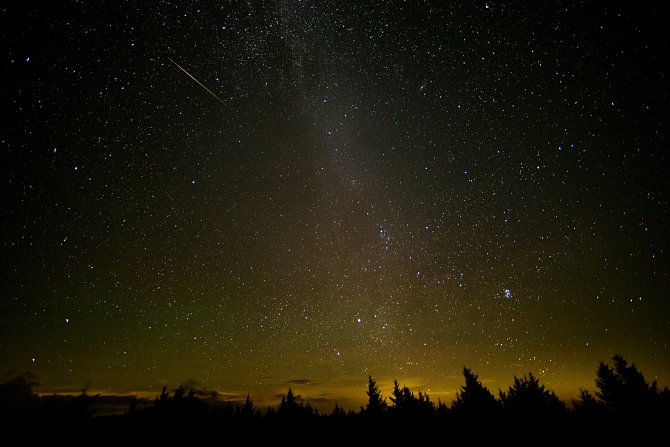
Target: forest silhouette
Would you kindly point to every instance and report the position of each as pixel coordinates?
(625, 410)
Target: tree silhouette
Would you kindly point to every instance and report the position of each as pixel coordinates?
(474, 399)
(528, 398)
(376, 403)
(338, 412)
(407, 404)
(424, 405)
(587, 403)
(80, 408)
(162, 400)
(623, 388)
(17, 400)
(442, 410)
(625, 409)
(288, 403)
(248, 408)
(289, 406)
(401, 398)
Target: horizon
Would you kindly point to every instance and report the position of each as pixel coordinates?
(526, 411)
(313, 393)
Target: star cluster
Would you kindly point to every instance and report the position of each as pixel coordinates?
(388, 188)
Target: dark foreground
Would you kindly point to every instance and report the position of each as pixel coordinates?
(329, 431)
(625, 411)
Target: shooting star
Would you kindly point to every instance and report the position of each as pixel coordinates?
(199, 83)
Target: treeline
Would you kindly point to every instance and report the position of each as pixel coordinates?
(625, 408)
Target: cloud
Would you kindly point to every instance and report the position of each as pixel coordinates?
(319, 399)
(299, 382)
(231, 396)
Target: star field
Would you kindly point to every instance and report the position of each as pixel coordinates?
(387, 188)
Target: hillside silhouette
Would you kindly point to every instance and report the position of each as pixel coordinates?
(625, 410)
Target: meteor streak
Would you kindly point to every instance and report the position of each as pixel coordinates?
(199, 83)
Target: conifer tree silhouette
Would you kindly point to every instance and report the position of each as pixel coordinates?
(624, 390)
(530, 399)
(589, 410)
(288, 403)
(248, 408)
(424, 405)
(474, 399)
(17, 400)
(376, 403)
(289, 406)
(401, 398)
(338, 412)
(618, 386)
(80, 408)
(162, 401)
(407, 404)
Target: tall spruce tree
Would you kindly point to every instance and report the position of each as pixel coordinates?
(528, 398)
(376, 403)
(624, 388)
(474, 399)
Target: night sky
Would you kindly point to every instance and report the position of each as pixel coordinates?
(255, 195)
